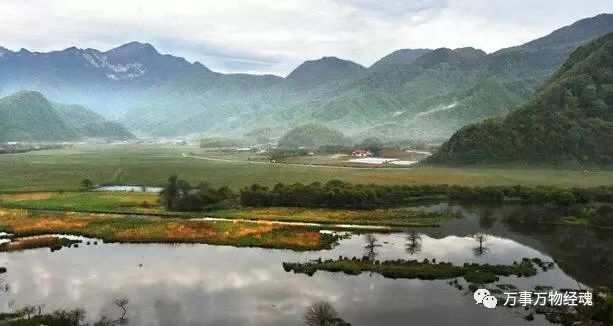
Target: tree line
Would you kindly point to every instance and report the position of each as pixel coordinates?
(179, 195)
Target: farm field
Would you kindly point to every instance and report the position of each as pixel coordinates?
(63, 169)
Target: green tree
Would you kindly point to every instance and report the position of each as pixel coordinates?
(373, 144)
(86, 183)
(170, 192)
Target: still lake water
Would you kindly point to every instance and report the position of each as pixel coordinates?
(222, 285)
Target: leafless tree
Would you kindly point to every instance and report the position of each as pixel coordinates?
(122, 303)
(28, 310)
(413, 244)
(370, 249)
(321, 313)
(480, 250)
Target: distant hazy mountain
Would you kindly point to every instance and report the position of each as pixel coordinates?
(104, 81)
(409, 94)
(319, 72)
(451, 92)
(569, 120)
(88, 124)
(29, 116)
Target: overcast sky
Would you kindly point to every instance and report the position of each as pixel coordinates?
(273, 36)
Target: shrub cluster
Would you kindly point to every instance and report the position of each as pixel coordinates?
(181, 196)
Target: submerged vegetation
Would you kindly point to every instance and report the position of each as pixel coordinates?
(425, 270)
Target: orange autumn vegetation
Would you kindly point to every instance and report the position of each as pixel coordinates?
(300, 239)
(135, 229)
(30, 243)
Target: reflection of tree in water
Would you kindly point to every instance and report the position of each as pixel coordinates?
(486, 218)
(413, 244)
(586, 254)
(122, 303)
(370, 250)
(322, 313)
(4, 287)
(480, 250)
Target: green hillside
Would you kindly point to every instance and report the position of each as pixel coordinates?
(88, 124)
(313, 73)
(29, 116)
(418, 94)
(568, 121)
(312, 136)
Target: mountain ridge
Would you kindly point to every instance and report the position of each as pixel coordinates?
(162, 95)
(568, 121)
(29, 116)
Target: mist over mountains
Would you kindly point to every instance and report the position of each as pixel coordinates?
(29, 116)
(418, 94)
(568, 121)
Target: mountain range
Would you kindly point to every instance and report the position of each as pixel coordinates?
(568, 121)
(29, 116)
(417, 94)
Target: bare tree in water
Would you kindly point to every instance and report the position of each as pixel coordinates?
(322, 313)
(413, 244)
(370, 250)
(122, 303)
(480, 250)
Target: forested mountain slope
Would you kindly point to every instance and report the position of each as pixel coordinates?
(569, 120)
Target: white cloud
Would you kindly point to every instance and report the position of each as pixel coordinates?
(273, 36)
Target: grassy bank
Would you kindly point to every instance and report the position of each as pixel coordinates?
(63, 169)
(392, 217)
(129, 202)
(425, 270)
(147, 203)
(113, 228)
(54, 243)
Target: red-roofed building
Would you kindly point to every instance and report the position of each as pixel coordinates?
(361, 153)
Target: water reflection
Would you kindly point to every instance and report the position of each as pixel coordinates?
(370, 250)
(486, 218)
(215, 285)
(480, 250)
(322, 313)
(122, 303)
(413, 242)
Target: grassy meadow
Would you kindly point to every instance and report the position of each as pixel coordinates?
(393, 217)
(147, 204)
(63, 169)
(128, 202)
(115, 228)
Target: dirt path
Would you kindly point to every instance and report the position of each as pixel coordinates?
(306, 224)
(294, 164)
(323, 226)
